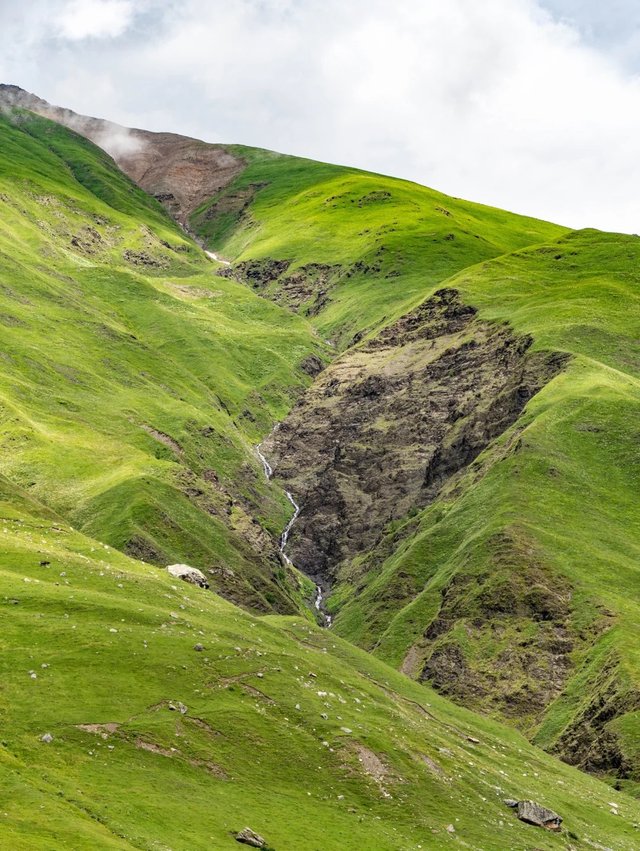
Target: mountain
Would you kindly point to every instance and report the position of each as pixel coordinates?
(455, 390)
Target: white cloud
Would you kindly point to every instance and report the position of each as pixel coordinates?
(81, 19)
(495, 101)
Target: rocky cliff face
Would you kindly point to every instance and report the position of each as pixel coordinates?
(387, 424)
(180, 172)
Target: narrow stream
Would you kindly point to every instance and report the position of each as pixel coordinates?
(268, 472)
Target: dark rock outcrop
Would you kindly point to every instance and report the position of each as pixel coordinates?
(385, 426)
(305, 290)
(590, 742)
(524, 614)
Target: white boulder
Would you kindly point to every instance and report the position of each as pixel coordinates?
(188, 574)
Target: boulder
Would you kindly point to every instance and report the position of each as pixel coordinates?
(188, 574)
(249, 837)
(532, 813)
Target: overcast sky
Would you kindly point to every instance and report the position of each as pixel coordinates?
(531, 105)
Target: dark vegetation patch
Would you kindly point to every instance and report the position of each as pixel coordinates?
(305, 290)
(504, 640)
(590, 741)
(143, 258)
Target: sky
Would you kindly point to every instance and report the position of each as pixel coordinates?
(529, 105)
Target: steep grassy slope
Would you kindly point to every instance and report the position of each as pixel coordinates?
(274, 724)
(362, 248)
(134, 381)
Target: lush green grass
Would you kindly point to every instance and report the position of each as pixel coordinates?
(407, 236)
(134, 383)
(565, 497)
(103, 350)
(112, 642)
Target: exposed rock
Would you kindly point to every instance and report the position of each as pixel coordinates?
(103, 730)
(198, 647)
(188, 574)
(250, 837)
(590, 741)
(260, 273)
(312, 365)
(141, 548)
(523, 610)
(180, 172)
(143, 258)
(387, 424)
(166, 439)
(533, 813)
(47, 738)
(305, 289)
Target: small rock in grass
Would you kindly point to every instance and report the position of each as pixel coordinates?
(473, 740)
(47, 738)
(450, 828)
(511, 802)
(532, 813)
(250, 837)
(198, 647)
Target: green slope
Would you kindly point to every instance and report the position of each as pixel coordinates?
(134, 381)
(556, 495)
(275, 724)
(387, 242)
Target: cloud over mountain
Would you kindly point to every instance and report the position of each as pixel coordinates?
(499, 101)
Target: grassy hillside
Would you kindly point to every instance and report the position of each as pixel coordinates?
(382, 243)
(136, 378)
(551, 505)
(134, 381)
(274, 724)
